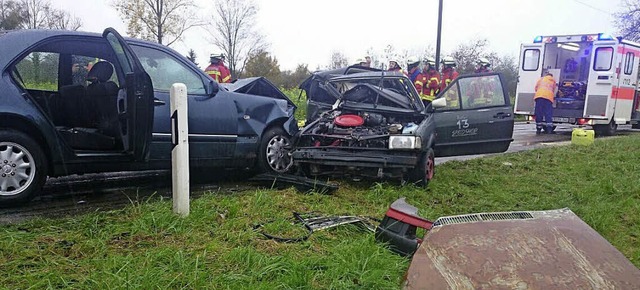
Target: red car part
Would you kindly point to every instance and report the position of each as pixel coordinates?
(398, 228)
(349, 121)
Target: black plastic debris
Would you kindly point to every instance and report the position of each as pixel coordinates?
(314, 222)
(301, 183)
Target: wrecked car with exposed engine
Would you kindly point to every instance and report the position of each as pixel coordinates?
(370, 123)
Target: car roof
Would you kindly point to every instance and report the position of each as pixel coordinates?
(369, 75)
(14, 42)
(328, 74)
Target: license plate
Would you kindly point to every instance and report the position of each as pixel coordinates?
(559, 119)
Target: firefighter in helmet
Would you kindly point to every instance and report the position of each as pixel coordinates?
(482, 90)
(360, 62)
(413, 68)
(428, 81)
(483, 65)
(217, 70)
(394, 65)
(449, 72)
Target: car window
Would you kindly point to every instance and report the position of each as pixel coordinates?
(165, 70)
(39, 71)
(531, 60)
(603, 59)
(452, 95)
(480, 91)
(391, 92)
(121, 54)
(80, 67)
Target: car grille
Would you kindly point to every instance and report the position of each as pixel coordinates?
(476, 217)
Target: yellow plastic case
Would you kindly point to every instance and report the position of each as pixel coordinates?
(582, 137)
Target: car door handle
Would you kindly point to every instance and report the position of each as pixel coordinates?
(158, 102)
(502, 115)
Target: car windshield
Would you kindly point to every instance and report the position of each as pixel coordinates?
(397, 92)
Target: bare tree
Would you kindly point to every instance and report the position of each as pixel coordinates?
(234, 32)
(163, 21)
(38, 14)
(11, 14)
(467, 54)
(59, 19)
(628, 20)
(338, 60)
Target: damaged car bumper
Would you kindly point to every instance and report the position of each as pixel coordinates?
(356, 158)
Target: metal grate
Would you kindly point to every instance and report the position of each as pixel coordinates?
(476, 217)
(505, 216)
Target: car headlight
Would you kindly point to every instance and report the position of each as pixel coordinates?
(405, 142)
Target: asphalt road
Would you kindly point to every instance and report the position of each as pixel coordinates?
(79, 194)
(525, 138)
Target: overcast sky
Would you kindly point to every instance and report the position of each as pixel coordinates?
(301, 31)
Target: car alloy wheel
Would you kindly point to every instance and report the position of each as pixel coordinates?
(278, 153)
(430, 167)
(17, 169)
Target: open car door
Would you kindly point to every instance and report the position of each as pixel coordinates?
(135, 102)
(477, 118)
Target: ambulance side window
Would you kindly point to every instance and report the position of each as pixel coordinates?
(604, 56)
(628, 63)
(531, 60)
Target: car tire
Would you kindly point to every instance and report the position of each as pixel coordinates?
(23, 168)
(635, 126)
(606, 130)
(424, 172)
(274, 155)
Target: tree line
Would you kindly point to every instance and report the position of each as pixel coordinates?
(232, 29)
(35, 14)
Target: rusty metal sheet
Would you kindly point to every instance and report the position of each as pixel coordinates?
(527, 250)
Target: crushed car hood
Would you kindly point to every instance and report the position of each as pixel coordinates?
(322, 76)
(552, 249)
(319, 89)
(257, 86)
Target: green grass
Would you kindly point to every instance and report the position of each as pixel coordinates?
(43, 86)
(300, 99)
(145, 246)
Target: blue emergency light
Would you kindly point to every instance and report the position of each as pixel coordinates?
(538, 39)
(604, 36)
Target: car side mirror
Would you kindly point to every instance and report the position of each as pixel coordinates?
(213, 88)
(437, 103)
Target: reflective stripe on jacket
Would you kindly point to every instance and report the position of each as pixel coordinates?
(545, 88)
(448, 76)
(219, 73)
(428, 84)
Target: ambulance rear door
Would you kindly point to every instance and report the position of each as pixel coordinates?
(602, 77)
(530, 70)
(627, 82)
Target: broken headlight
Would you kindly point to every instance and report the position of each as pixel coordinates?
(405, 142)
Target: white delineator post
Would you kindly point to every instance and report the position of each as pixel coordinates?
(180, 149)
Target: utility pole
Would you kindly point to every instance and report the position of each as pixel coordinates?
(439, 34)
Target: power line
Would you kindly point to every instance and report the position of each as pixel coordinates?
(593, 7)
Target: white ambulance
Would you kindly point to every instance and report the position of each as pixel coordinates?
(597, 79)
